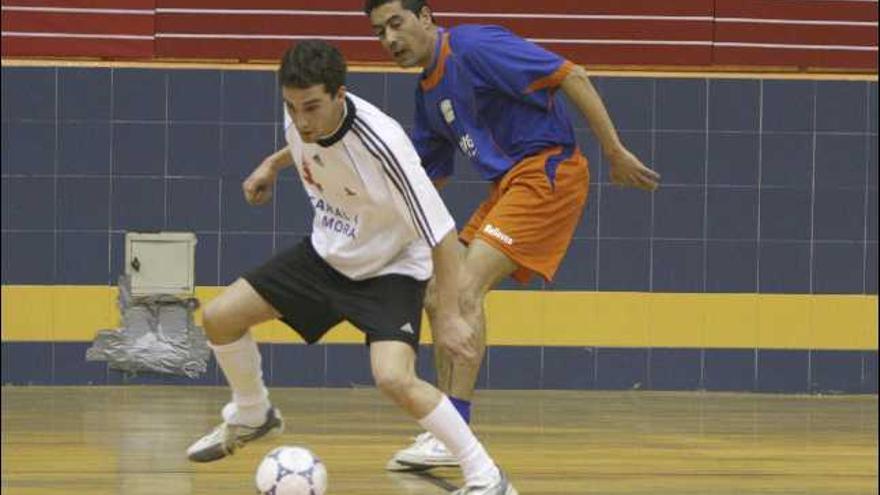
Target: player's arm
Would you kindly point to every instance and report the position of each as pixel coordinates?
(435, 153)
(523, 70)
(432, 222)
(626, 168)
(258, 186)
(440, 182)
(279, 160)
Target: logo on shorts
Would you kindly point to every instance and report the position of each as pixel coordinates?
(407, 327)
(498, 234)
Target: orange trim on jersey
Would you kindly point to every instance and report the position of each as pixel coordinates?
(436, 75)
(553, 80)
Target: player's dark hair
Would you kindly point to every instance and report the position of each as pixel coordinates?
(414, 6)
(312, 62)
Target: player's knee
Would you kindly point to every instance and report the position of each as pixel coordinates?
(393, 382)
(213, 322)
(471, 296)
(210, 318)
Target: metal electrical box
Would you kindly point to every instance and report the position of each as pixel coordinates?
(160, 263)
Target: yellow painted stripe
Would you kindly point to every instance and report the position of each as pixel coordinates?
(659, 72)
(533, 318)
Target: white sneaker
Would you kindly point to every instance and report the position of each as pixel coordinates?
(226, 438)
(426, 452)
(499, 486)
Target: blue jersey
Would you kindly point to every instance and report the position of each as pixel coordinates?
(490, 94)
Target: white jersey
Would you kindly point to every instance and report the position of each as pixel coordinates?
(376, 210)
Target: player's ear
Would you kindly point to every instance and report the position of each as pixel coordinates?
(340, 93)
(426, 17)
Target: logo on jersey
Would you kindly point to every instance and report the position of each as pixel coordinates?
(335, 219)
(446, 110)
(465, 143)
(407, 327)
(307, 176)
(495, 232)
(318, 160)
(467, 146)
(350, 192)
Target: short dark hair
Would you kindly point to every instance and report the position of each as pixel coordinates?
(312, 62)
(414, 6)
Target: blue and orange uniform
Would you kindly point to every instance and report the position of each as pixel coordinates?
(491, 94)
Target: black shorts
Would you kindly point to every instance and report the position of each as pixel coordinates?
(312, 297)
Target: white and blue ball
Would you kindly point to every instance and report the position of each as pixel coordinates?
(290, 470)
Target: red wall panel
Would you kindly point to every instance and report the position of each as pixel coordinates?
(828, 10)
(838, 34)
(81, 23)
(79, 28)
(93, 4)
(829, 34)
(587, 32)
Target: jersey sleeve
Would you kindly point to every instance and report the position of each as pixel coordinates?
(418, 199)
(515, 66)
(436, 153)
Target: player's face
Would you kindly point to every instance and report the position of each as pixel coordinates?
(407, 37)
(315, 112)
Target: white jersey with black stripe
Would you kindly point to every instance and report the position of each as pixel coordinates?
(376, 210)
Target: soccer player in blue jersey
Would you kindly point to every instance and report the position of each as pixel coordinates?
(492, 95)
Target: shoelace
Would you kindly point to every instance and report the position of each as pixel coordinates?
(227, 436)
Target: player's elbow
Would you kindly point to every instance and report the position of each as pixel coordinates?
(576, 78)
(440, 182)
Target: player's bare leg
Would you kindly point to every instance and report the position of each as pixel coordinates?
(393, 366)
(249, 415)
(484, 267)
(442, 365)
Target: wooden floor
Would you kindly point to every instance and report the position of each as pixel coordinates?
(131, 440)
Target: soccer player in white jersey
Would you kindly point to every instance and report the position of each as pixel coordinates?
(380, 231)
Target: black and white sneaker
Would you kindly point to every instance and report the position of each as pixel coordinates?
(226, 438)
(498, 486)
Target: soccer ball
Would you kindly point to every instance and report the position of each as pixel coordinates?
(290, 470)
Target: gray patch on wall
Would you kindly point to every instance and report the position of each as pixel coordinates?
(158, 335)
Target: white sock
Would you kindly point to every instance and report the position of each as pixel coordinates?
(241, 363)
(446, 424)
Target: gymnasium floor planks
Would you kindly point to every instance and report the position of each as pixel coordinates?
(131, 440)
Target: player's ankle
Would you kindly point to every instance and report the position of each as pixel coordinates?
(252, 415)
(485, 477)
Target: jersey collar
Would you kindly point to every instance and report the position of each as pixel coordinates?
(433, 74)
(347, 121)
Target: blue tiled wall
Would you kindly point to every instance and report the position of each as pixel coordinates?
(768, 185)
(505, 367)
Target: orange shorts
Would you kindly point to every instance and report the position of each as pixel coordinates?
(529, 219)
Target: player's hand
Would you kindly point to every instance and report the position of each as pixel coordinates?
(453, 334)
(628, 170)
(258, 186)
